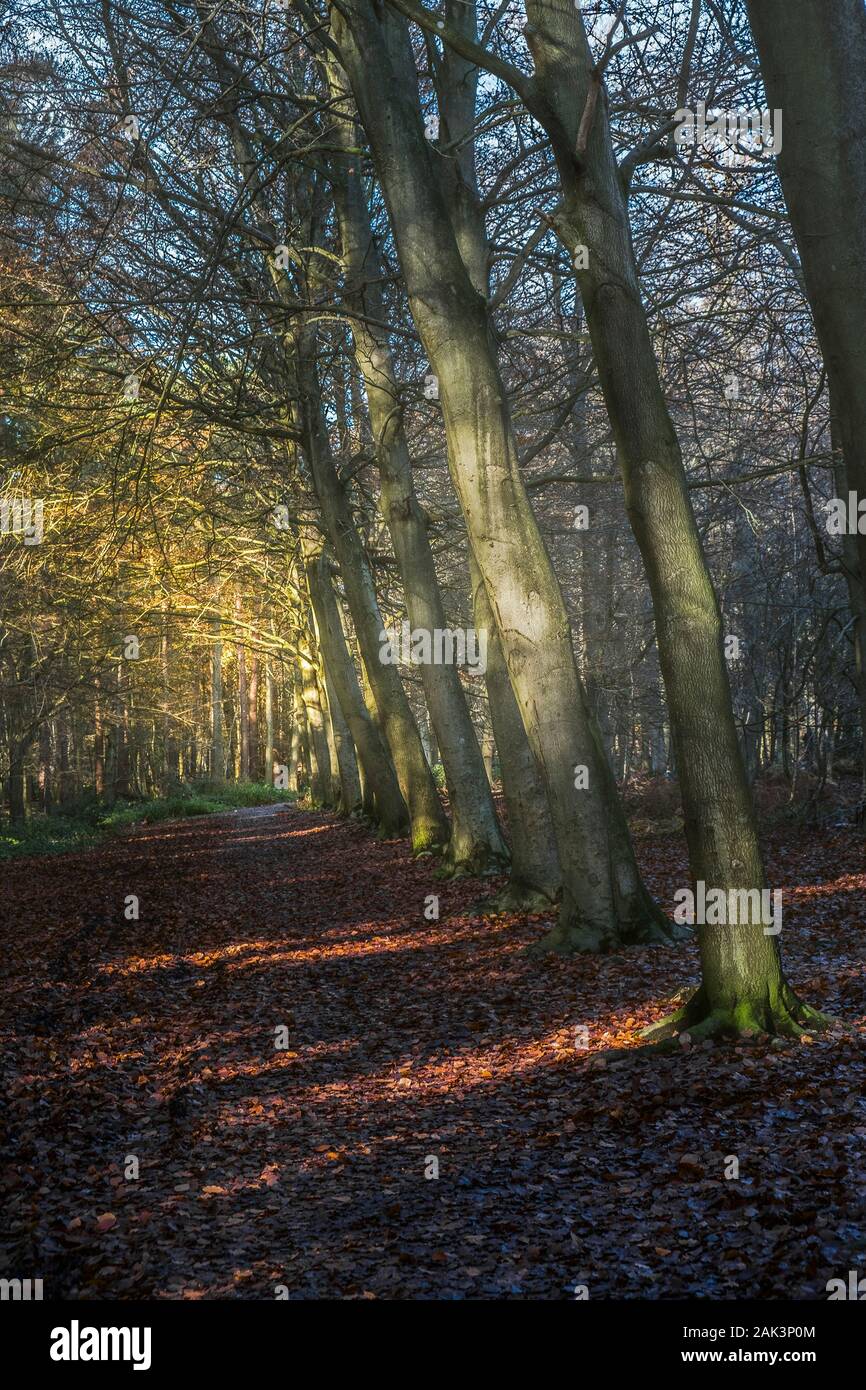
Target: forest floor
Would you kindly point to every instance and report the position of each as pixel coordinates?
(407, 1041)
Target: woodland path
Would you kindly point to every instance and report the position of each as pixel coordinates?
(408, 1040)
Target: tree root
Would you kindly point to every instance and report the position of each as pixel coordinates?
(652, 928)
(425, 843)
(481, 862)
(782, 1016)
(514, 897)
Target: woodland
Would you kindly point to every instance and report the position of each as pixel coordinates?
(433, 648)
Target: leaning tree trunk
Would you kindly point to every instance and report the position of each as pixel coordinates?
(429, 824)
(380, 778)
(350, 780)
(428, 820)
(743, 984)
(338, 791)
(813, 62)
(317, 740)
(535, 878)
(344, 766)
(476, 844)
(299, 775)
(600, 907)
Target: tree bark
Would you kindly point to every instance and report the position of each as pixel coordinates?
(46, 766)
(428, 821)
(253, 718)
(741, 965)
(373, 753)
(243, 708)
(169, 743)
(337, 797)
(269, 724)
(299, 770)
(813, 62)
(601, 906)
(344, 749)
(98, 743)
(65, 773)
(476, 845)
(216, 706)
(317, 742)
(17, 800)
(535, 879)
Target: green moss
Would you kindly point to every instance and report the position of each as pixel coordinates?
(426, 838)
(780, 1014)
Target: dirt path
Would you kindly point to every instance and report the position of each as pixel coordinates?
(409, 1044)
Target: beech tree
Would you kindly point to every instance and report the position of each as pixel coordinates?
(813, 61)
(743, 985)
(603, 899)
(333, 318)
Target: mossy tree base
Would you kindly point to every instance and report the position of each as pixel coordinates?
(651, 928)
(477, 862)
(426, 839)
(514, 897)
(779, 1013)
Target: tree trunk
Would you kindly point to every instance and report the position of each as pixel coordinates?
(269, 724)
(46, 767)
(488, 753)
(299, 771)
(253, 718)
(337, 796)
(344, 750)
(601, 907)
(813, 67)
(813, 62)
(476, 845)
(98, 744)
(243, 713)
(17, 801)
(429, 823)
(65, 773)
(216, 707)
(317, 742)
(373, 754)
(169, 743)
(742, 974)
(535, 879)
